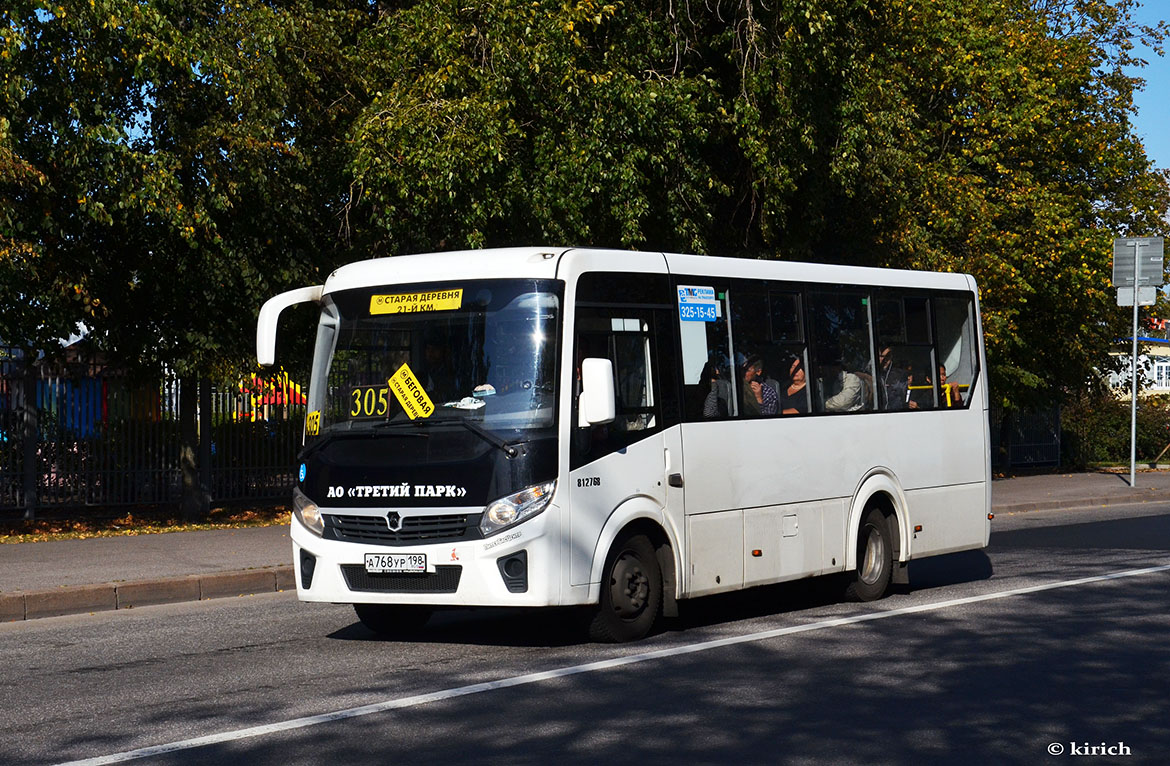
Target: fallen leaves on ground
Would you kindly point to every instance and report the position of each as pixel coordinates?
(79, 524)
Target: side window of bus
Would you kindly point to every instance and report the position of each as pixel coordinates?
(768, 339)
(789, 351)
(958, 362)
(633, 372)
(843, 368)
(709, 386)
(906, 368)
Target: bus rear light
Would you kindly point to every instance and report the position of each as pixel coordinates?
(756, 553)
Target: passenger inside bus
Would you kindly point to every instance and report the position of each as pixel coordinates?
(893, 382)
(843, 391)
(759, 398)
(439, 375)
(921, 391)
(716, 391)
(949, 393)
(794, 390)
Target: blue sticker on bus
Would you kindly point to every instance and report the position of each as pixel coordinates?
(697, 304)
(303, 472)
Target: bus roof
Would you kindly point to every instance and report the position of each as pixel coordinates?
(542, 263)
(530, 262)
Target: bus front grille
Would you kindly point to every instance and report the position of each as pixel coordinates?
(414, 530)
(444, 580)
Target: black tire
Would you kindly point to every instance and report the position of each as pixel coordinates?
(631, 592)
(392, 620)
(874, 559)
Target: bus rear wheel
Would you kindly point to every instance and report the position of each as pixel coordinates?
(389, 620)
(631, 592)
(874, 559)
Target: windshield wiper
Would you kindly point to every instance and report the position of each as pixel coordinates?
(416, 427)
(350, 433)
(489, 437)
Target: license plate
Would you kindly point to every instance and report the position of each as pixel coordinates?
(384, 563)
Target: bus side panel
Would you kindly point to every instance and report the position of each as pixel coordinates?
(952, 519)
(716, 552)
(772, 544)
(787, 541)
(808, 467)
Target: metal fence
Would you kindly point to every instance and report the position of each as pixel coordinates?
(80, 433)
(1025, 439)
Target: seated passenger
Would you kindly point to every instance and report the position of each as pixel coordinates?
(794, 391)
(717, 392)
(921, 390)
(844, 391)
(893, 390)
(758, 398)
(949, 393)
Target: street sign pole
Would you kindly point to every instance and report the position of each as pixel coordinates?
(1147, 270)
(1133, 382)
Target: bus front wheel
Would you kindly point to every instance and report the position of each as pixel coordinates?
(392, 620)
(631, 592)
(874, 559)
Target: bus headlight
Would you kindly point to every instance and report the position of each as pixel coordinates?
(307, 513)
(516, 508)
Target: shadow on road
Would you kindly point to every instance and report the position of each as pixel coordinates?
(565, 627)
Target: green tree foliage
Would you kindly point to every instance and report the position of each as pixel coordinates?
(991, 138)
(164, 166)
(1024, 168)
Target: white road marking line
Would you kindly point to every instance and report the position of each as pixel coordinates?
(591, 667)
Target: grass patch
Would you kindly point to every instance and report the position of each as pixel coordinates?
(80, 524)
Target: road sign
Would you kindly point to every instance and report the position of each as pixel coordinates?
(1137, 255)
(1147, 296)
(1137, 268)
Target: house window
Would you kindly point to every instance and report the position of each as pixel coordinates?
(1162, 374)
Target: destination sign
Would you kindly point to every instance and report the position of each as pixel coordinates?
(410, 303)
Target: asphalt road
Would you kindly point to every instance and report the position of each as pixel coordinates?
(1053, 639)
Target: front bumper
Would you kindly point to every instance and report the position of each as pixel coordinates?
(479, 572)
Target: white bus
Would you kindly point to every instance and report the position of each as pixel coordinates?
(623, 430)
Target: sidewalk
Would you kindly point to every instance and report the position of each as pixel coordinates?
(78, 576)
(1076, 490)
(101, 573)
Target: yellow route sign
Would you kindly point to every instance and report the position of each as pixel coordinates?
(409, 303)
(409, 393)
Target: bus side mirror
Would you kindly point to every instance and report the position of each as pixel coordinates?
(270, 316)
(596, 405)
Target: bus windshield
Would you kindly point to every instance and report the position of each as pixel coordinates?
(480, 352)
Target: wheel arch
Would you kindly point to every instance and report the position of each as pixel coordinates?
(640, 516)
(880, 488)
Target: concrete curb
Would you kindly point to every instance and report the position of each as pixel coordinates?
(1139, 496)
(79, 599)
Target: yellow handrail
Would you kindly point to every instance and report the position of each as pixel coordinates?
(947, 388)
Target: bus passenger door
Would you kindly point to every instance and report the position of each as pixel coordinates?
(621, 464)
